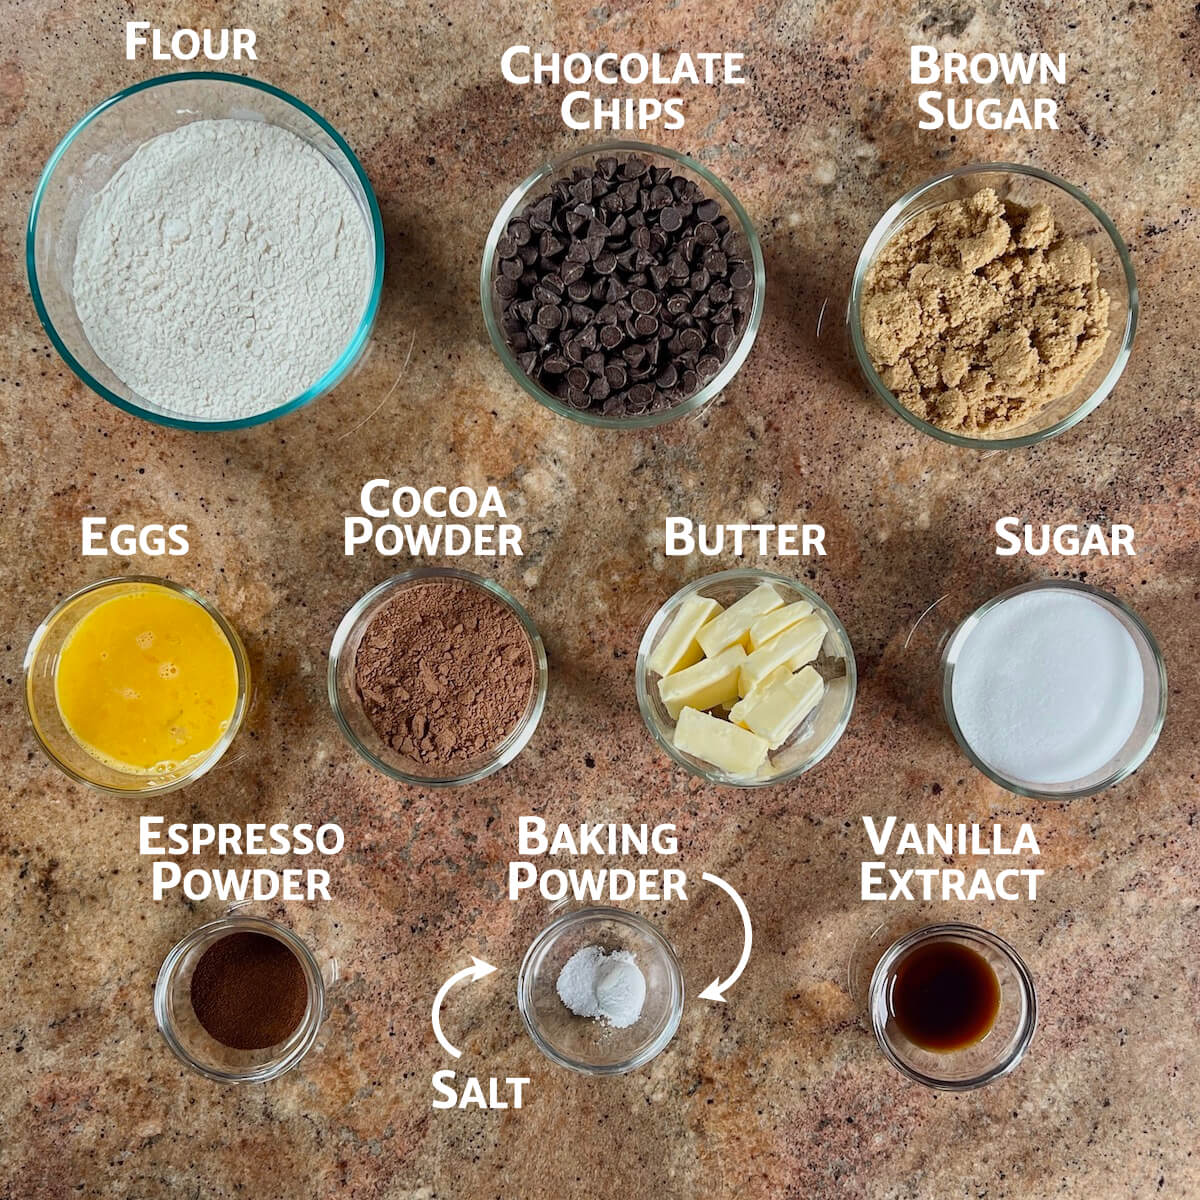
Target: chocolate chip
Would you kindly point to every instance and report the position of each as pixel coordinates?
(643, 301)
(621, 286)
(741, 278)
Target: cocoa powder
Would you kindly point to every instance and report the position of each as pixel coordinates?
(444, 672)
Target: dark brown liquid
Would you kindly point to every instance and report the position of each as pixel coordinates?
(945, 996)
(249, 991)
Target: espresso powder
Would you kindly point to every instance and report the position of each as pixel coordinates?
(249, 991)
(444, 672)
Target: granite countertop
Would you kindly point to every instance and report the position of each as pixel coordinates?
(781, 1091)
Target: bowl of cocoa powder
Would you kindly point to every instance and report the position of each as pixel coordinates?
(437, 677)
(993, 307)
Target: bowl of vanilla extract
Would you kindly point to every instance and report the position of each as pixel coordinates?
(953, 1006)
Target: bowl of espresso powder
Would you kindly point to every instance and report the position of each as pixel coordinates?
(240, 1000)
(622, 285)
(437, 677)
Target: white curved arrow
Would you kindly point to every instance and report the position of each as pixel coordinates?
(477, 970)
(717, 989)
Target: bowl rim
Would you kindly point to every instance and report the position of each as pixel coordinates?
(957, 640)
(517, 740)
(729, 368)
(349, 354)
(754, 575)
(879, 1009)
(241, 660)
(882, 232)
(604, 912)
(235, 921)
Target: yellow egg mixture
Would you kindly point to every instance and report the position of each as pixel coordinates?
(147, 681)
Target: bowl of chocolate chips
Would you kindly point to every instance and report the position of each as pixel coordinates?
(622, 285)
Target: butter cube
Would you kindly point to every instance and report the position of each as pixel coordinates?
(797, 647)
(733, 625)
(783, 671)
(775, 710)
(708, 683)
(678, 648)
(775, 622)
(720, 743)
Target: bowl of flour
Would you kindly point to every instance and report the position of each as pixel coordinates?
(205, 251)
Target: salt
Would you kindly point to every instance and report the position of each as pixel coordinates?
(1047, 687)
(606, 986)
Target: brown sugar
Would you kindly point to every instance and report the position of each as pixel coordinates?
(444, 671)
(979, 313)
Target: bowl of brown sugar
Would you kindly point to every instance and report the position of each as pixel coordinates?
(437, 677)
(993, 307)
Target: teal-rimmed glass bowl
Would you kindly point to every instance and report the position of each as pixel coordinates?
(92, 152)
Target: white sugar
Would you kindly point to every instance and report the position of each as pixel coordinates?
(1047, 687)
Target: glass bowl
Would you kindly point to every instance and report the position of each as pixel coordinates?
(994, 1055)
(93, 151)
(658, 156)
(41, 666)
(1149, 723)
(815, 737)
(353, 720)
(193, 1044)
(585, 1044)
(1080, 218)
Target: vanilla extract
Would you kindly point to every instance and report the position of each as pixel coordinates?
(951, 839)
(944, 996)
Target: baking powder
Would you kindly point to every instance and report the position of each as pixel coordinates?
(607, 986)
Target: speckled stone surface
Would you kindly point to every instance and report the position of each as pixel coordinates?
(780, 1092)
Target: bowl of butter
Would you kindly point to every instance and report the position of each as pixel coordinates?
(746, 678)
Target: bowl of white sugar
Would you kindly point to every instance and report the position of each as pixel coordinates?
(1054, 689)
(205, 251)
(600, 991)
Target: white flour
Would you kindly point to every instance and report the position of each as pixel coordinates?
(609, 987)
(222, 270)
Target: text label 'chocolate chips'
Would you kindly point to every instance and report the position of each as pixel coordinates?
(623, 289)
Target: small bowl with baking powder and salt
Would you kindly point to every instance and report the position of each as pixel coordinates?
(206, 252)
(600, 991)
(437, 677)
